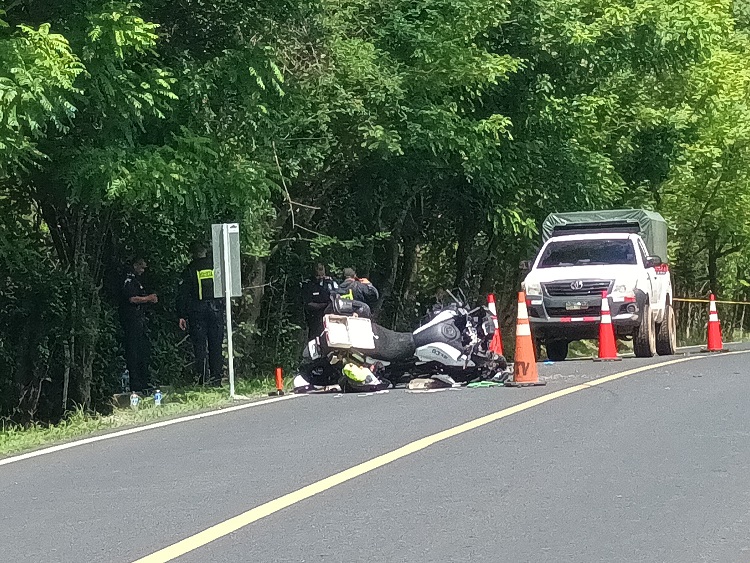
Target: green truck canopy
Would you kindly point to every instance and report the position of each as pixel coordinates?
(650, 225)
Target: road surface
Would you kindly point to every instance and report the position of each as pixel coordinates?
(649, 467)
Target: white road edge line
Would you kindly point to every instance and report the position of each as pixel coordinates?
(137, 429)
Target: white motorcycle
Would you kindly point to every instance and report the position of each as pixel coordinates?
(360, 355)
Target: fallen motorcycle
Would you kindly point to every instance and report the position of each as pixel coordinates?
(360, 355)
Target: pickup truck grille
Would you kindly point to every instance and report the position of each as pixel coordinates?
(569, 288)
(594, 311)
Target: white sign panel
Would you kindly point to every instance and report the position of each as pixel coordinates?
(227, 279)
(233, 232)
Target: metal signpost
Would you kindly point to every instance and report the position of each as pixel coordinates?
(227, 279)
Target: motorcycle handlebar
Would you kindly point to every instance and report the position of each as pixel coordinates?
(455, 299)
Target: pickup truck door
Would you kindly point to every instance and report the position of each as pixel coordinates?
(653, 282)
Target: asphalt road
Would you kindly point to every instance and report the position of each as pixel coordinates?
(653, 467)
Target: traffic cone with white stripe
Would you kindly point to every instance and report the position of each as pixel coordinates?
(525, 373)
(714, 329)
(496, 345)
(607, 343)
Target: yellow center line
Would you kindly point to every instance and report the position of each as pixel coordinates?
(259, 512)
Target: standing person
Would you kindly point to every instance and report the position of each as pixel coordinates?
(360, 290)
(316, 294)
(133, 306)
(202, 314)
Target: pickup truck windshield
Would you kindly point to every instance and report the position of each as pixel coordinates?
(588, 252)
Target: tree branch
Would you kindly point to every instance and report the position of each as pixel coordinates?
(283, 183)
(731, 250)
(716, 181)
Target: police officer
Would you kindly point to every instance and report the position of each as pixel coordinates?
(202, 315)
(133, 306)
(316, 297)
(359, 290)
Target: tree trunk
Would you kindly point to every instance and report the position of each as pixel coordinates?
(463, 251)
(88, 350)
(394, 251)
(502, 277)
(489, 272)
(255, 287)
(408, 266)
(713, 268)
(407, 275)
(391, 269)
(79, 235)
(68, 347)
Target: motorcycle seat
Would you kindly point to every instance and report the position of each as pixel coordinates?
(391, 346)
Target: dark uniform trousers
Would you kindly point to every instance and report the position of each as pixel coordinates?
(206, 326)
(137, 351)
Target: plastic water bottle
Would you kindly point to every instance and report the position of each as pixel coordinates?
(134, 400)
(125, 381)
(157, 398)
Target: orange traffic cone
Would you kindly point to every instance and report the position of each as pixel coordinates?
(279, 383)
(607, 344)
(496, 345)
(524, 368)
(714, 329)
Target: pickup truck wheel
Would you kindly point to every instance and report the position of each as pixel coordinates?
(557, 350)
(644, 339)
(666, 337)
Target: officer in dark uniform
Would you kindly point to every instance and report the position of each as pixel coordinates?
(133, 318)
(316, 297)
(360, 291)
(202, 315)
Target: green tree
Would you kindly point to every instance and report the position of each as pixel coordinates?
(421, 142)
(708, 192)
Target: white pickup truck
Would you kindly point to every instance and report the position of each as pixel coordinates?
(584, 254)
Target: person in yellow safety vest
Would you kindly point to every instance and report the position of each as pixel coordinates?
(359, 290)
(202, 315)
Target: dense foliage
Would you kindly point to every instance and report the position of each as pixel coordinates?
(420, 141)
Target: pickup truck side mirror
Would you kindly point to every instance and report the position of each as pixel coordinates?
(653, 261)
(524, 265)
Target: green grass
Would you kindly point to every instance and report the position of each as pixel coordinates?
(16, 439)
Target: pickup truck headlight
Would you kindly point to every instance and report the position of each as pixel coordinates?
(624, 290)
(533, 288)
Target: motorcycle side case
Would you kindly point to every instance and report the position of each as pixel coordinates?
(348, 332)
(443, 353)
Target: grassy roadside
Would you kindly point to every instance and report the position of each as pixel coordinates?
(15, 439)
